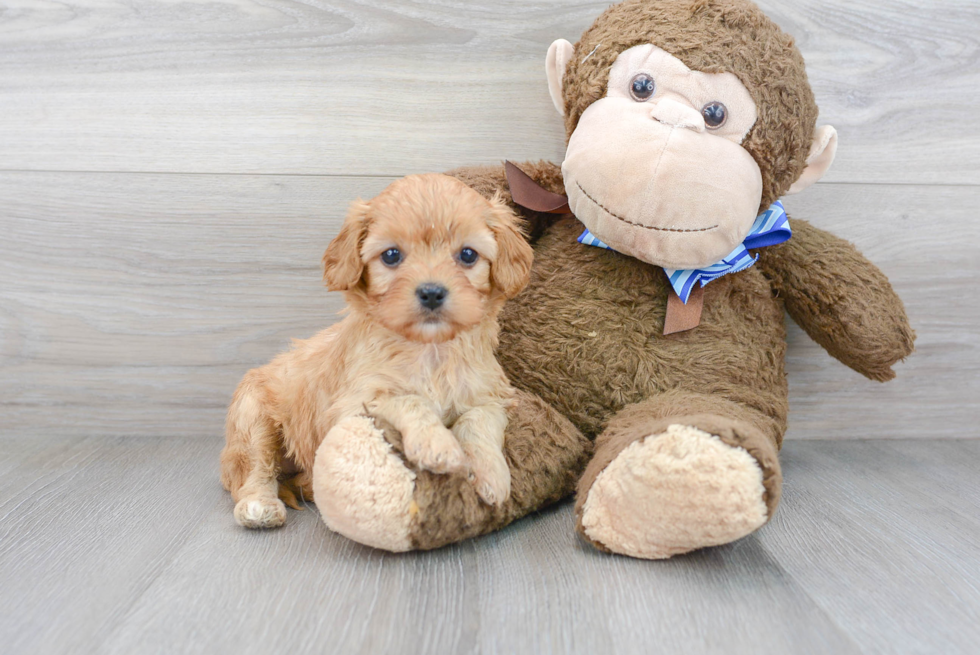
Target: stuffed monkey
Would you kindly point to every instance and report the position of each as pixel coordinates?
(649, 347)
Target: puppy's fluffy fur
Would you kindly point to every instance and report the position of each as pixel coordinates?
(428, 371)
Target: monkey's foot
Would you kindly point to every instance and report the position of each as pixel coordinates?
(672, 493)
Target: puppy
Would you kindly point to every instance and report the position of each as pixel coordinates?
(425, 268)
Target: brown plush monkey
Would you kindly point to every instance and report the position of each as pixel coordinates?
(686, 120)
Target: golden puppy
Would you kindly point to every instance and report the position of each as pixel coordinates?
(425, 268)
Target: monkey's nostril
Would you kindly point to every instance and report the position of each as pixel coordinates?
(431, 296)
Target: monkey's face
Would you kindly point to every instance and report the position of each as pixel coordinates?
(655, 168)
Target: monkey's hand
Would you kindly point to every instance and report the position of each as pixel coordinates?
(842, 300)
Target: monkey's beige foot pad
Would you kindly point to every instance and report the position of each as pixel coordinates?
(672, 493)
(362, 488)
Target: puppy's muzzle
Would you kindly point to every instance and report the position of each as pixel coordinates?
(431, 296)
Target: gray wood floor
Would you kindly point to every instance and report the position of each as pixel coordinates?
(120, 545)
(170, 173)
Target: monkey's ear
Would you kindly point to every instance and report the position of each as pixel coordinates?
(510, 272)
(559, 54)
(342, 265)
(822, 152)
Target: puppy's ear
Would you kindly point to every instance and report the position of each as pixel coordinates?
(511, 271)
(342, 265)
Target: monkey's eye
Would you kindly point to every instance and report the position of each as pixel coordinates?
(391, 257)
(715, 114)
(468, 256)
(642, 87)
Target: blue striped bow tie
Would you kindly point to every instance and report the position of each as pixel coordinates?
(770, 227)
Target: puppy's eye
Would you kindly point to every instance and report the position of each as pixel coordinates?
(391, 257)
(468, 256)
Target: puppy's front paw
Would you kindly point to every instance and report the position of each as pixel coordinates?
(434, 449)
(260, 512)
(490, 475)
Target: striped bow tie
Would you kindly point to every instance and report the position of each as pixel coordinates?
(770, 227)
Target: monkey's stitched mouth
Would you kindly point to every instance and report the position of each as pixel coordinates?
(645, 227)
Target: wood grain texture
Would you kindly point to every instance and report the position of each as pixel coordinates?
(879, 520)
(133, 304)
(395, 87)
(170, 173)
(126, 288)
(116, 545)
(86, 527)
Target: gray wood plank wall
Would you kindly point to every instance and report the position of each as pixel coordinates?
(170, 173)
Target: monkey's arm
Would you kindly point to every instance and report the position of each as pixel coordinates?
(842, 300)
(487, 180)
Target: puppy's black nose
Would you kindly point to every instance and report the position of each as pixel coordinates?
(431, 295)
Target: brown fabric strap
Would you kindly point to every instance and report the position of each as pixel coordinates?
(680, 316)
(528, 193)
